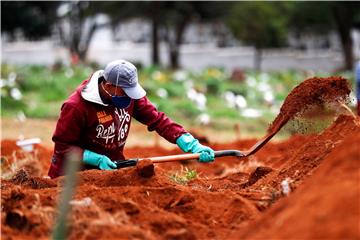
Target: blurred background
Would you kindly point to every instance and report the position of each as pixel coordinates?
(222, 69)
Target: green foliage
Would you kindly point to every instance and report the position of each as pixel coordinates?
(33, 18)
(321, 17)
(263, 24)
(316, 17)
(184, 176)
(44, 90)
(43, 109)
(266, 24)
(10, 105)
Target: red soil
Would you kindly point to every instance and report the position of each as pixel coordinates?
(325, 206)
(313, 92)
(227, 200)
(145, 168)
(36, 162)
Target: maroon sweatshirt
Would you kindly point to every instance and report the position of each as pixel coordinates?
(85, 122)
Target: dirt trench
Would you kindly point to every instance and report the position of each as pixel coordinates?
(305, 187)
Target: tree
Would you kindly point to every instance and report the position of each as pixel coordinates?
(178, 15)
(77, 24)
(323, 17)
(172, 18)
(150, 10)
(155, 24)
(344, 14)
(261, 24)
(33, 19)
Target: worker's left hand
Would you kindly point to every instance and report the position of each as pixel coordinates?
(188, 143)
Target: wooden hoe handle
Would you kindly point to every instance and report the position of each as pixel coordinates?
(179, 157)
(191, 156)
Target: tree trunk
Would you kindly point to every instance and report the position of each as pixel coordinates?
(344, 16)
(155, 20)
(77, 39)
(174, 44)
(174, 57)
(257, 58)
(155, 42)
(83, 48)
(75, 32)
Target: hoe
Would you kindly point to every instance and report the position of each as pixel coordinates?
(192, 156)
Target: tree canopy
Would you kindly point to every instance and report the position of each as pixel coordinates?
(34, 19)
(260, 24)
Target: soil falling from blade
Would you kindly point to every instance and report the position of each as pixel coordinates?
(312, 92)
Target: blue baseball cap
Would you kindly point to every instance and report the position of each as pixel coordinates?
(123, 74)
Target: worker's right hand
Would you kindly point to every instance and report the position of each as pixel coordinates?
(188, 143)
(98, 160)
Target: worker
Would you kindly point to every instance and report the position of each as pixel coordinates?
(95, 120)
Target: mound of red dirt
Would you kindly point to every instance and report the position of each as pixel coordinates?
(325, 206)
(145, 168)
(218, 204)
(35, 163)
(308, 185)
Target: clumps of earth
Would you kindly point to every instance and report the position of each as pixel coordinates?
(288, 188)
(145, 168)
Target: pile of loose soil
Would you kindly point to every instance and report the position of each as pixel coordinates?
(226, 200)
(145, 168)
(313, 92)
(325, 206)
(36, 163)
(297, 181)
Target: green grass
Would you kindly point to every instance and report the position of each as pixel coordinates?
(45, 88)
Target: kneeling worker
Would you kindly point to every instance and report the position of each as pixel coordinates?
(95, 121)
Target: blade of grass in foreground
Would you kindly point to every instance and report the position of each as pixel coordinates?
(61, 228)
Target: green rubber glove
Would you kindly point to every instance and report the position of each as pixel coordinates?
(98, 160)
(188, 143)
